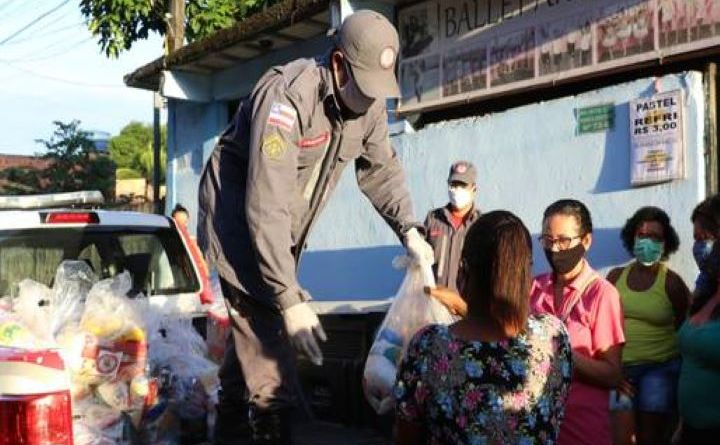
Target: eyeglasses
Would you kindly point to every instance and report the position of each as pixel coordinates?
(563, 242)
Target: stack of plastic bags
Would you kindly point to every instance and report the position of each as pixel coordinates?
(189, 382)
(136, 374)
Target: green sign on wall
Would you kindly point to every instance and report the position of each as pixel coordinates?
(595, 118)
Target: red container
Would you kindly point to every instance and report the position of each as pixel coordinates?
(36, 419)
(35, 405)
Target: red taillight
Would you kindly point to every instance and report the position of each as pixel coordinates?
(72, 218)
(39, 419)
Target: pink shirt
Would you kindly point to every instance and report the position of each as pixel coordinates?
(594, 324)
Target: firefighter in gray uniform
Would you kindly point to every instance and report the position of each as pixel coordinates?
(269, 176)
(445, 227)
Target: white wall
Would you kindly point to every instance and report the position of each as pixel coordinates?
(527, 158)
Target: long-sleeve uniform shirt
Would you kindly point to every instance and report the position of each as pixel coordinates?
(447, 240)
(272, 172)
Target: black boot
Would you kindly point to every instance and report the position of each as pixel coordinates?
(271, 427)
(231, 425)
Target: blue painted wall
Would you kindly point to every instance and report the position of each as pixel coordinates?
(192, 131)
(526, 158)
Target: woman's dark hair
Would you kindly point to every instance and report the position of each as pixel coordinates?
(179, 208)
(571, 207)
(707, 215)
(497, 257)
(650, 214)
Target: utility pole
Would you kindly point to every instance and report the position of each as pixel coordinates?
(157, 104)
(176, 27)
(175, 38)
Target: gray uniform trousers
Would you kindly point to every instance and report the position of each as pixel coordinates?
(259, 341)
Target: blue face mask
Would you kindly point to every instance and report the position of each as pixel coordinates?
(648, 251)
(701, 251)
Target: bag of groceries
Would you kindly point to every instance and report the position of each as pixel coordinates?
(411, 310)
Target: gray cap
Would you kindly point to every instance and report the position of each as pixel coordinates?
(463, 171)
(370, 44)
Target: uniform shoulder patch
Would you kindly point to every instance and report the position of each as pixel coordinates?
(282, 116)
(274, 147)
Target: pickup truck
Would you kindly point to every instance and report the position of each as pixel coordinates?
(39, 232)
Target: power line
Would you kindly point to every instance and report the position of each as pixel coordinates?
(50, 56)
(34, 21)
(38, 52)
(47, 33)
(59, 79)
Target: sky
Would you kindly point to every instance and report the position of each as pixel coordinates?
(54, 70)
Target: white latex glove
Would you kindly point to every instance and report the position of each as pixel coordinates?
(303, 326)
(418, 248)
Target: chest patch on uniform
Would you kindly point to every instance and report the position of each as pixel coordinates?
(315, 142)
(282, 116)
(274, 147)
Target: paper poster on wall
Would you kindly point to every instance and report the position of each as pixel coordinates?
(512, 57)
(625, 31)
(464, 70)
(657, 141)
(420, 79)
(418, 28)
(565, 44)
(490, 47)
(685, 21)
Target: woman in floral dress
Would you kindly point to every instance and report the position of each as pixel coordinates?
(500, 375)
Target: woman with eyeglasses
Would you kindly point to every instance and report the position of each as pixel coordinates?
(590, 308)
(654, 301)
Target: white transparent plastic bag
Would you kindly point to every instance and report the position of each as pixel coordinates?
(108, 312)
(410, 311)
(73, 281)
(14, 334)
(32, 307)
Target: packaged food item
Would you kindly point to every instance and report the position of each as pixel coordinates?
(114, 394)
(15, 334)
(133, 368)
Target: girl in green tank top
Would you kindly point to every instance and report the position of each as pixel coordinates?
(649, 318)
(654, 300)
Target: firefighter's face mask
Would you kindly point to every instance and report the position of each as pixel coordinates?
(348, 90)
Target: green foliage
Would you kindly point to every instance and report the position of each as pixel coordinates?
(145, 161)
(132, 149)
(117, 24)
(74, 165)
(125, 146)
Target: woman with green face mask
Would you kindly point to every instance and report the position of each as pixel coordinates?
(654, 300)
